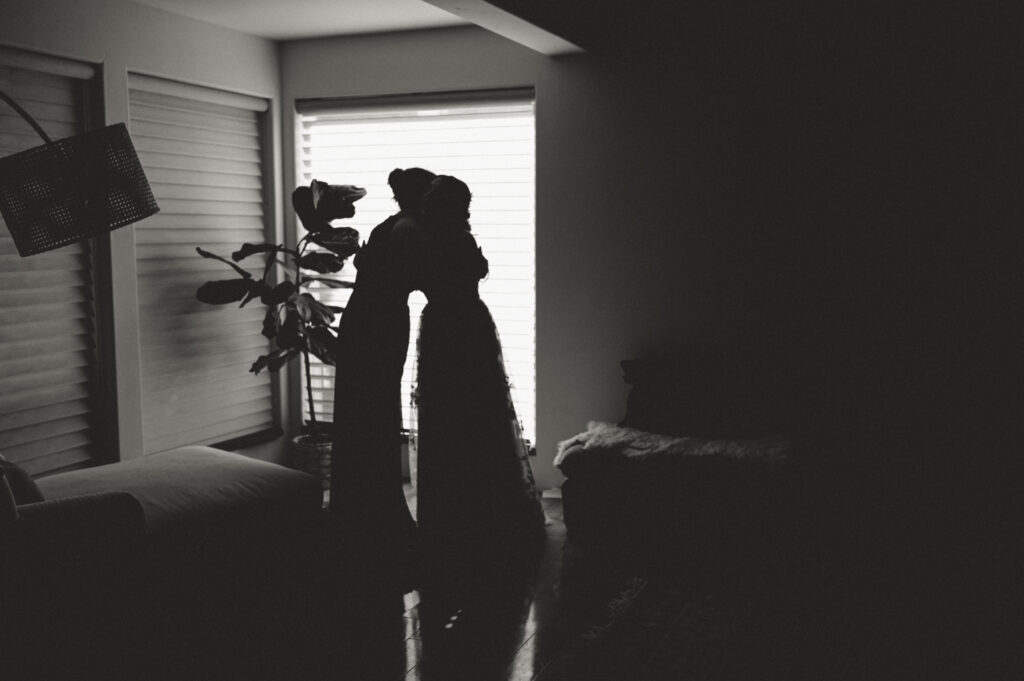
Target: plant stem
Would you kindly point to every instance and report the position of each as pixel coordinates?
(309, 386)
(305, 350)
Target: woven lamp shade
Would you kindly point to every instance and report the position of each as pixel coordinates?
(72, 189)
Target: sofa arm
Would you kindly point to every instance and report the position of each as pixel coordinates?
(69, 540)
(68, 577)
(78, 530)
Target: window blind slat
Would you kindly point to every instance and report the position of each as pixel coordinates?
(215, 352)
(164, 369)
(201, 150)
(173, 248)
(150, 89)
(44, 415)
(64, 460)
(33, 88)
(241, 405)
(452, 165)
(171, 310)
(47, 347)
(192, 163)
(490, 145)
(202, 178)
(43, 296)
(230, 381)
(208, 192)
(189, 150)
(34, 433)
(199, 130)
(73, 329)
(46, 311)
(151, 113)
(32, 383)
(54, 454)
(175, 271)
(28, 365)
(40, 396)
(62, 259)
(187, 236)
(229, 332)
(216, 432)
(210, 224)
(204, 208)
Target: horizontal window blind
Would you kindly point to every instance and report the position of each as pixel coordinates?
(484, 139)
(49, 382)
(201, 150)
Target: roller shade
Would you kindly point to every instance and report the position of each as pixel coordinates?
(484, 138)
(49, 382)
(201, 150)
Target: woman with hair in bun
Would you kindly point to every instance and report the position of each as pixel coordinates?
(476, 496)
(368, 505)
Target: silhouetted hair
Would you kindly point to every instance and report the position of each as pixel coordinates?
(447, 203)
(409, 186)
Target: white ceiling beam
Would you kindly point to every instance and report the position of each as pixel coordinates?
(508, 25)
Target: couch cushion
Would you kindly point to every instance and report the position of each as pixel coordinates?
(22, 485)
(191, 484)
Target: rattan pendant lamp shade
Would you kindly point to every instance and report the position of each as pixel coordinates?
(62, 192)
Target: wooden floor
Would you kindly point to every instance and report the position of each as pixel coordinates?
(568, 616)
(510, 624)
(565, 613)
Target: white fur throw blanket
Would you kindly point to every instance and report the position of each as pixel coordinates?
(628, 444)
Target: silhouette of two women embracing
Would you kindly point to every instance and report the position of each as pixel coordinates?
(476, 496)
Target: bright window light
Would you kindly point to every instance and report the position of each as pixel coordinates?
(487, 142)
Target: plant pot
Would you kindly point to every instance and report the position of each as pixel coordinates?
(311, 452)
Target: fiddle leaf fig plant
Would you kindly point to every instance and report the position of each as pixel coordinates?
(296, 322)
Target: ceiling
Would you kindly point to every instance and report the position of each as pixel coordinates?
(294, 19)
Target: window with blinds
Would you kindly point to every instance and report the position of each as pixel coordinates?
(484, 139)
(50, 411)
(201, 150)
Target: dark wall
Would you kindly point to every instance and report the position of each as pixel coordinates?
(836, 187)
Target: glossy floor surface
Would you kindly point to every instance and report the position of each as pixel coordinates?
(567, 614)
(501, 622)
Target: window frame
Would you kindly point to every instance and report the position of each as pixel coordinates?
(103, 402)
(270, 232)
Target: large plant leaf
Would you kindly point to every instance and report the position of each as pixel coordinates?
(279, 294)
(257, 290)
(322, 343)
(323, 263)
(248, 249)
(214, 256)
(223, 291)
(335, 201)
(272, 321)
(302, 202)
(288, 334)
(322, 191)
(274, 360)
(310, 310)
(343, 241)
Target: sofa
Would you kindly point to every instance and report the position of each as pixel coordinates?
(702, 471)
(175, 565)
(787, 545)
